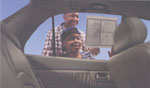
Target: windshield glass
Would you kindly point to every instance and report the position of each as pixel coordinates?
(35, 44)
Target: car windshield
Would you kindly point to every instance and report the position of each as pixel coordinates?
(35, 44)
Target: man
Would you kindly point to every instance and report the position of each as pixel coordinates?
(70, 20)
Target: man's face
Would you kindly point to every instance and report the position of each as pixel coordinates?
(71, 19)
(72, 43)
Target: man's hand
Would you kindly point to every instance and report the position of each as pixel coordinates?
(94, 51)
(112, 52)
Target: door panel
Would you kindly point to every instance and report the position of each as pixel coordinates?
(61, 72)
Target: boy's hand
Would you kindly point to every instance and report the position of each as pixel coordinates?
(94, 51)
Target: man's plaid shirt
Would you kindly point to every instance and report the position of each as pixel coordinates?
(48, 49)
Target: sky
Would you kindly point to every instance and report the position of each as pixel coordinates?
(36, 43)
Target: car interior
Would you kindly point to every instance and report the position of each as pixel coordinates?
(129, 67)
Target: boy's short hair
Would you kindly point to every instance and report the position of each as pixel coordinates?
(69, 31)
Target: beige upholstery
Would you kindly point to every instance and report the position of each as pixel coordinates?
(61, 72)
(130, 32)
(130, 66)
(16, 71)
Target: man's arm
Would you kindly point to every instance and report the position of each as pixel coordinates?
(47, 50)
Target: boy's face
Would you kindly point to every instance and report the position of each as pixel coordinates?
(72, 43)
(71, 19)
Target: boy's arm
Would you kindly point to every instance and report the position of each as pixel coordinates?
(93, 51)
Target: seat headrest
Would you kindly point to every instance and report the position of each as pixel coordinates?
(130, 32)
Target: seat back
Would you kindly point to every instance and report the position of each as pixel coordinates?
(16, 71)
(130, 66)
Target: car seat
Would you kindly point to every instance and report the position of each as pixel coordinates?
(16, 71)
(130, 66)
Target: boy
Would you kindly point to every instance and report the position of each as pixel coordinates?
(71, 44)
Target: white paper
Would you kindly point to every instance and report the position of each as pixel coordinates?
(100, 31)
(93, 32)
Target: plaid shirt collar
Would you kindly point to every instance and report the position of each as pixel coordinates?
(61, 27)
